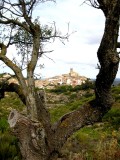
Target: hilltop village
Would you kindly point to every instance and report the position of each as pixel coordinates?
(72, 78)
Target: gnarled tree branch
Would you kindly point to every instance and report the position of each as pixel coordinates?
(12, 87)
(15, 68)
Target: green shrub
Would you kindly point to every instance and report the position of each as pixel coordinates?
(9, 147)
(77, 88)
(88, 85)
(10, 101)
(8, 143)
(73, 96)
(65, 88)
(62, 89)
(88, 94)
(3, 125)
(116, 90)
(113, 117)
(74, 105)
(57, 112)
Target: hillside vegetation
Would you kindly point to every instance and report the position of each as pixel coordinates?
(100, 141)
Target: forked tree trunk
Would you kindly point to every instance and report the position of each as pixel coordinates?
(39, 140)
(36, 138)
(31, 137)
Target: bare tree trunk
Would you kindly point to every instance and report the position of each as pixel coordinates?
(36, 138)
(31, 137)
(108, 56)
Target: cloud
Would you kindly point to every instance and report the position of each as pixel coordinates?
(83, 64)
(80, 53)
(91, 40)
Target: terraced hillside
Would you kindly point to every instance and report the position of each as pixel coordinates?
(94, 142)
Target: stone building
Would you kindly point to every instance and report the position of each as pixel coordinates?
(72, 78)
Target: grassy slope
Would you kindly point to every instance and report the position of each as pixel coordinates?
(98, 141)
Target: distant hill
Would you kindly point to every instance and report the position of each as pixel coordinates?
(116, 81)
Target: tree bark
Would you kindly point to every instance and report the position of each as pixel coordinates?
(108, 56)
(31, 137)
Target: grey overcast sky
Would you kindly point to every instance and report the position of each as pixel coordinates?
(80, 52)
